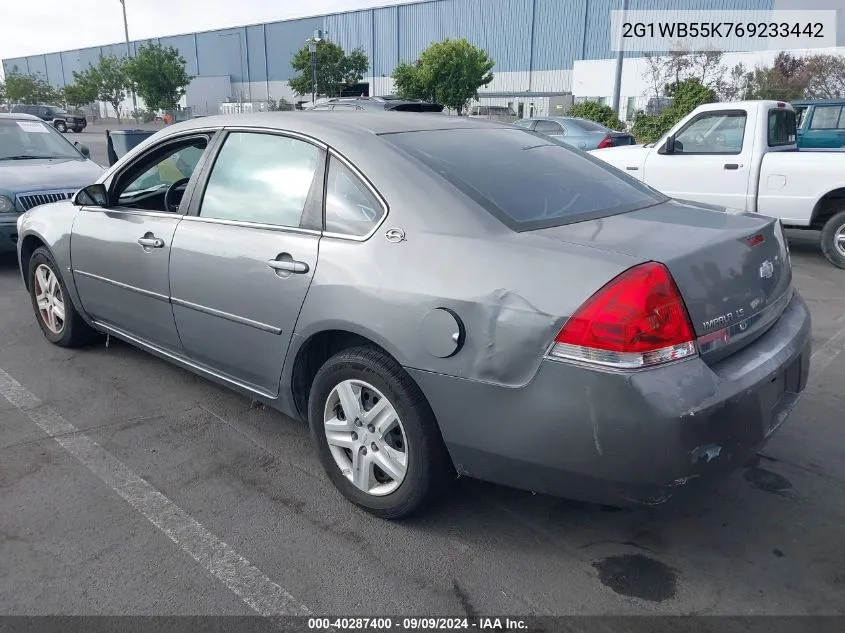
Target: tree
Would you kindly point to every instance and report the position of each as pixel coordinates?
(686, 97)
(595, 111)
(785, 79)
(158, 75)
(82, 91)
(20, 88)
(335, 69)
(110, 79)
(825, 77)
(448, 72)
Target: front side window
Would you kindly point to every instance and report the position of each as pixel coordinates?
(827, 118)
(31, 139)
(781, 127)
(351, 208)
(800, 113)
(262, 178)
(718, 132)
(145, 186)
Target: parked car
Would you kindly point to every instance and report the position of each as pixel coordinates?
(820, 123)
(37, 165)
(743, 156)
(580, 133)
(56, 116)
(393, 104)
(493, 113)
(437, 295)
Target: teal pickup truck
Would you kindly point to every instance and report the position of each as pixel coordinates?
(821, 124)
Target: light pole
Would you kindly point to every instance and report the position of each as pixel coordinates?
(128, 55)
(620, 56)
(312, 48)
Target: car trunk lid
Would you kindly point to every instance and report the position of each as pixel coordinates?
(733, 271)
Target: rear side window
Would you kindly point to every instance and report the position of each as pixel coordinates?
(827, 118)
(351, 208)
(525, 180)
(548, 127)
(781, 127)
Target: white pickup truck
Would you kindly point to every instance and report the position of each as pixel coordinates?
(742, 156)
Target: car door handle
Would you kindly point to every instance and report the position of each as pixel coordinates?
(151, 242)
(289, 266)
(731, 166)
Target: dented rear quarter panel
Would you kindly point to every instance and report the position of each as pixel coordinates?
(512, 291)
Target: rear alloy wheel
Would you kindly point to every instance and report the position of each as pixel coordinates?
(833, 240)
(376, 434)
(54, 310)
(61, 126)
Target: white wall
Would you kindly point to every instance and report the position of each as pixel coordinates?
(594, 78)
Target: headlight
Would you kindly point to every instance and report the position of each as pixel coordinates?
(6, 205)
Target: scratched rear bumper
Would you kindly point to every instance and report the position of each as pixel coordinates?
(625, 437)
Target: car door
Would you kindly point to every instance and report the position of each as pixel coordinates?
(120, 254)
(244, 257)
(711, 162)
(43, 112)
(826, 127)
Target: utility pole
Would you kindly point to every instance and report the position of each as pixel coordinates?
(620, 55)
(129, 55)
(312, 48)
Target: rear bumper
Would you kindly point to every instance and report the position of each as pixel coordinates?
(627, 438)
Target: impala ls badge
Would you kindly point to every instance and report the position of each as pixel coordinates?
(767, 269)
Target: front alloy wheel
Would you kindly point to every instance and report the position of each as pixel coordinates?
(366, 437)
(49, 299)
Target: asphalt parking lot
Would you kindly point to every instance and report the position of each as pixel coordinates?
(128, 486)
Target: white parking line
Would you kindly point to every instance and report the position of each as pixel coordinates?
(826, 354)
(224, 563)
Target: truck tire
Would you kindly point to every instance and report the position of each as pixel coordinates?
(833, 240)
(61, 126)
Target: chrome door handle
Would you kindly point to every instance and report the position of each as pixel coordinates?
(288, 266)
(151, 242)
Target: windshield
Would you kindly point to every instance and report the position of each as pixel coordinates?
(23, 139)
(526, 180)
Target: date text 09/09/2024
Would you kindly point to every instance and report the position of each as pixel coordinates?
(722, 29)
(417, 624)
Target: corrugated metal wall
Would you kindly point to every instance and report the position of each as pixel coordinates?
(533, 42)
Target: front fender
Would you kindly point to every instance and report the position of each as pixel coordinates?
(52, 226)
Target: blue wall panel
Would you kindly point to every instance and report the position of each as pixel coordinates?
(351, 31)
(558, 33)
(223, 52)
(385, 45)
(284, 39)
(256, 62)
(115, 50)
(37, 66)
(501, 27)
(16, 64)
(185, 45)
(55, 74)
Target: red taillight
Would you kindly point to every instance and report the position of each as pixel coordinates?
(607, 141)
(636, 320)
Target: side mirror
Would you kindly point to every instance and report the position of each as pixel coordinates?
(83, 149)
(92, 196)
(669, 146)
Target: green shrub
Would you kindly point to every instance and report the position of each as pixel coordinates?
(595, 111)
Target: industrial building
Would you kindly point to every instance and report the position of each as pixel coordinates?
(536, 45)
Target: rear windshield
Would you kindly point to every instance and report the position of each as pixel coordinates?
(526, 180)
(781, 127)
(587, 126)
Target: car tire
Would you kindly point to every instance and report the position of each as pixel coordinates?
(61, 126)
(833, 240)
(77, 130)
(47, 290)
(414, 438)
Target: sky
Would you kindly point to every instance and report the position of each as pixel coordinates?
(30, 27)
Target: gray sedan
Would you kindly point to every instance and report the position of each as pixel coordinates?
(436, 296)
(580, 133)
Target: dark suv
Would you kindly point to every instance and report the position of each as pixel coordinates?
(56, 116)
